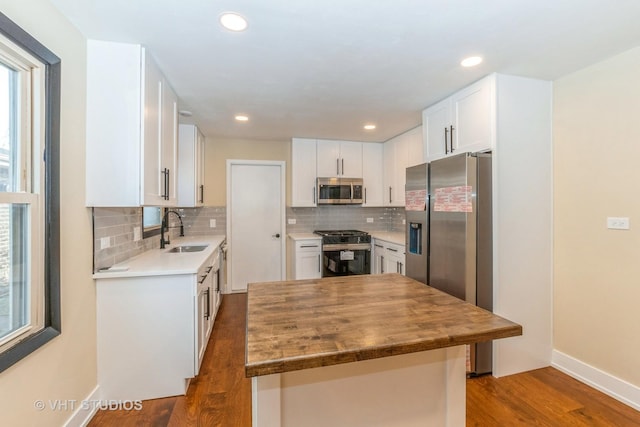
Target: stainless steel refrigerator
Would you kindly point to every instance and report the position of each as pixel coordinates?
(417, 222)
(460, 260)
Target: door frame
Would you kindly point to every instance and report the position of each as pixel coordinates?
(283, 215)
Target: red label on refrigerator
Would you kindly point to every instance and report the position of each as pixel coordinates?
(453, 199)
(415, 200)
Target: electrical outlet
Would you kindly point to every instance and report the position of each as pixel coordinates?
(617, 223)
(404, 221)
(136, 234)
(105, 242)
(291, 221)
(369, 219)
(212, 223)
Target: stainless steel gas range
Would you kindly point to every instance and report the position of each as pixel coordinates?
(345, 252)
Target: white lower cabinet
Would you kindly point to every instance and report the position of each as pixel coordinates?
(307, 258)
(208, 301)
(153, 331)
(388, 257)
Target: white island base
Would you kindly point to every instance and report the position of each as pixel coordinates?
(417, 389)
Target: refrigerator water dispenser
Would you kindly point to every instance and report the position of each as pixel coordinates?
(415, 238)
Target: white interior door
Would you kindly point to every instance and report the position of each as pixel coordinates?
(256, 212)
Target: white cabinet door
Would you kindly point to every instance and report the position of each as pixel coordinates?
(372, 174)
(351, 159)
(169, 146)
(388, 172)
(415, 152)
(396, 151)
(153, 174)
(131, 128)
(308, 259)
(190, 166)
(461, 123)
(339, 159)
(394, 258)
(303, 172)
(378, 257)
(201, 325)
(472, 109)
(328, 159)
(200, 168)
(402, 161)
(436, 122)
(308, 265)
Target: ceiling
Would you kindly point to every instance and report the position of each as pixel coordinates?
(324, 68)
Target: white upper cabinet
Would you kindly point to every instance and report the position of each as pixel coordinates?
(131, 147)
(303, 172)
(415, 146)
(396, 160)
(339, 159)
(461, 123)
(372, 173)
(191, 166)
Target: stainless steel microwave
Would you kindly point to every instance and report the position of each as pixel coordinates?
(339, 191)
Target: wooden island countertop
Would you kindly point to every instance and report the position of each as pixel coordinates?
(301, 324)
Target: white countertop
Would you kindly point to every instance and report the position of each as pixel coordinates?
(160, 262)
(396, 237)
(304, 236)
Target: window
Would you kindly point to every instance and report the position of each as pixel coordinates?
(29, 194)
(151, 221)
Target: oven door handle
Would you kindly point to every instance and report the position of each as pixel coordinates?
(346, 247)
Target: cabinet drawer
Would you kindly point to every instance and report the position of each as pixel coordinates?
(308, 245)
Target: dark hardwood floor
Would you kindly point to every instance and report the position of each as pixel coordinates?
(221, 395)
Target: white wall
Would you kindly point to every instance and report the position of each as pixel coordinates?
(65, 368)
(597, 174)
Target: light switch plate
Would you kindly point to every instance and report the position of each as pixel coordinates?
(136, 234)
(105, 242)
(212, 223)
(617, 223)
(369, 219)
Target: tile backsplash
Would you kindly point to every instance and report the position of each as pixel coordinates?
(117, 224)
(345, 218)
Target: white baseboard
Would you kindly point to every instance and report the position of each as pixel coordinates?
(84, 413)
(621, 390)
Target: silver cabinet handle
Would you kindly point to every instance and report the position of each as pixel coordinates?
(308, 246)
(319, 265)
(314, 195)
(342, 166)
(389, 194)
(337, 166)
(381, 264)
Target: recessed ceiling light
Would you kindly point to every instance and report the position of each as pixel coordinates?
(242, 118)
(370, 127)
(233, 22)
(471, 61)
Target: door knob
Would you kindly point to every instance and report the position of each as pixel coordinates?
(277, 235)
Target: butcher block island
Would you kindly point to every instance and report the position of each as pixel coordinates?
(370, 350)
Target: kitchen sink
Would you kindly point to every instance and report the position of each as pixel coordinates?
(193, 248)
